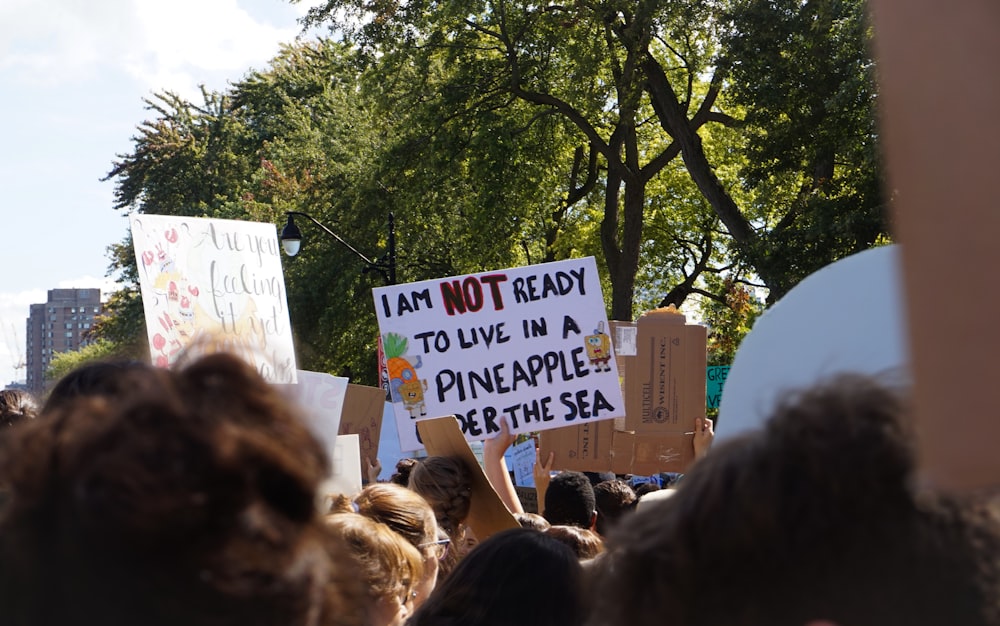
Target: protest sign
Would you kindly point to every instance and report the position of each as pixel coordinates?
(810, 335)
(521, 461)
(362, 416)
(321, 398)
(487, 512)
(715, 380)
(528, 496)
(345, 462)
(528, 343)
(217, 283)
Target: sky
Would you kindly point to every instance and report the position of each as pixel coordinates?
(74, 75)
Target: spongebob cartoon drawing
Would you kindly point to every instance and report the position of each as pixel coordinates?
(599, 349)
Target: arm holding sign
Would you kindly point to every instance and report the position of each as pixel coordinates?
(704, 435)
(495, 467)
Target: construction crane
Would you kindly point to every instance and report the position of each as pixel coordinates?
(14, 348)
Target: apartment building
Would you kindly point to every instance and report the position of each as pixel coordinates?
(58, 325)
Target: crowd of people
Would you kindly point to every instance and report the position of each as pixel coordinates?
(138, 495)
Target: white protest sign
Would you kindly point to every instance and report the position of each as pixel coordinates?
(846, 317)
(217, 283)
(529, 343)
(346, 464)
(521, 461)
(321, 398)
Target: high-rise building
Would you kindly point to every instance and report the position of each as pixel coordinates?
(59, 325)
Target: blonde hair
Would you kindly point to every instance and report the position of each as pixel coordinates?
(402, 510)
(388, 564)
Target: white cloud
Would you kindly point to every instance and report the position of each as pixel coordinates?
(162, 45)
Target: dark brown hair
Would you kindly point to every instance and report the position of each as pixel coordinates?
(812, 518)
(585, 544)
(189, 497)
(16, 405)
(517, 577)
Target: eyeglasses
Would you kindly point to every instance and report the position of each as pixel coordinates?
(441, 545)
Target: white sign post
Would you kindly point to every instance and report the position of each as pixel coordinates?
(530, 344)
(217, 283)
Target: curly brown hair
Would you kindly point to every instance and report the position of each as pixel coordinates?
(813, 518)
(188, 497)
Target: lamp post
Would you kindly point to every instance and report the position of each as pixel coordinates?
(291, 242)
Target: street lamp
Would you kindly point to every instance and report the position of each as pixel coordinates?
(291, 242)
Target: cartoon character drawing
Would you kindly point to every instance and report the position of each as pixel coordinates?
(401, 371)
(412, 393)
(599, 349)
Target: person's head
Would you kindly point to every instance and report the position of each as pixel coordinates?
(409, 515)
(645, 488)
(402, 474)
(614, 499)
(518, 577)
(585, 544)
(97, 378)
(188, 498)
(810, 519)
(532, 520)
(570, 501)
(387, 566)
(16, 406)
(446, 484)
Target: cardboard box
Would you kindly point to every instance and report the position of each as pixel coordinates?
(582, 448)
(648, 454)
(665, 386)
(362, 416)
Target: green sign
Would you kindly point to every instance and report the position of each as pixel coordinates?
(716, 378)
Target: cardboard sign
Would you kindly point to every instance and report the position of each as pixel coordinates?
(651, 453)
(665, 390)
(715, 380)
(583, 448)
(811, 334)
(321, 398)
(362, 416)
(529, 343)
(528, 497)
(216, 283)
(346, 475)
(487, 512)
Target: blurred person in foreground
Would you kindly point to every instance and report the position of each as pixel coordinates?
(187, 497)
(812, 521)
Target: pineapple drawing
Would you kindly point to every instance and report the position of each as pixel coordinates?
(404, 386)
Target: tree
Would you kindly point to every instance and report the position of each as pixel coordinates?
(803, 73)
(639, 81)
(64, 362)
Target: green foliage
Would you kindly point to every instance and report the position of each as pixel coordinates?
(729, 318)
(507, 133)
(64, 362)
(804, 74)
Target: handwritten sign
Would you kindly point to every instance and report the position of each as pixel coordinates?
(321, 398)
(521, 461)
(217, 283)
(715, 379)
(529, 343)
